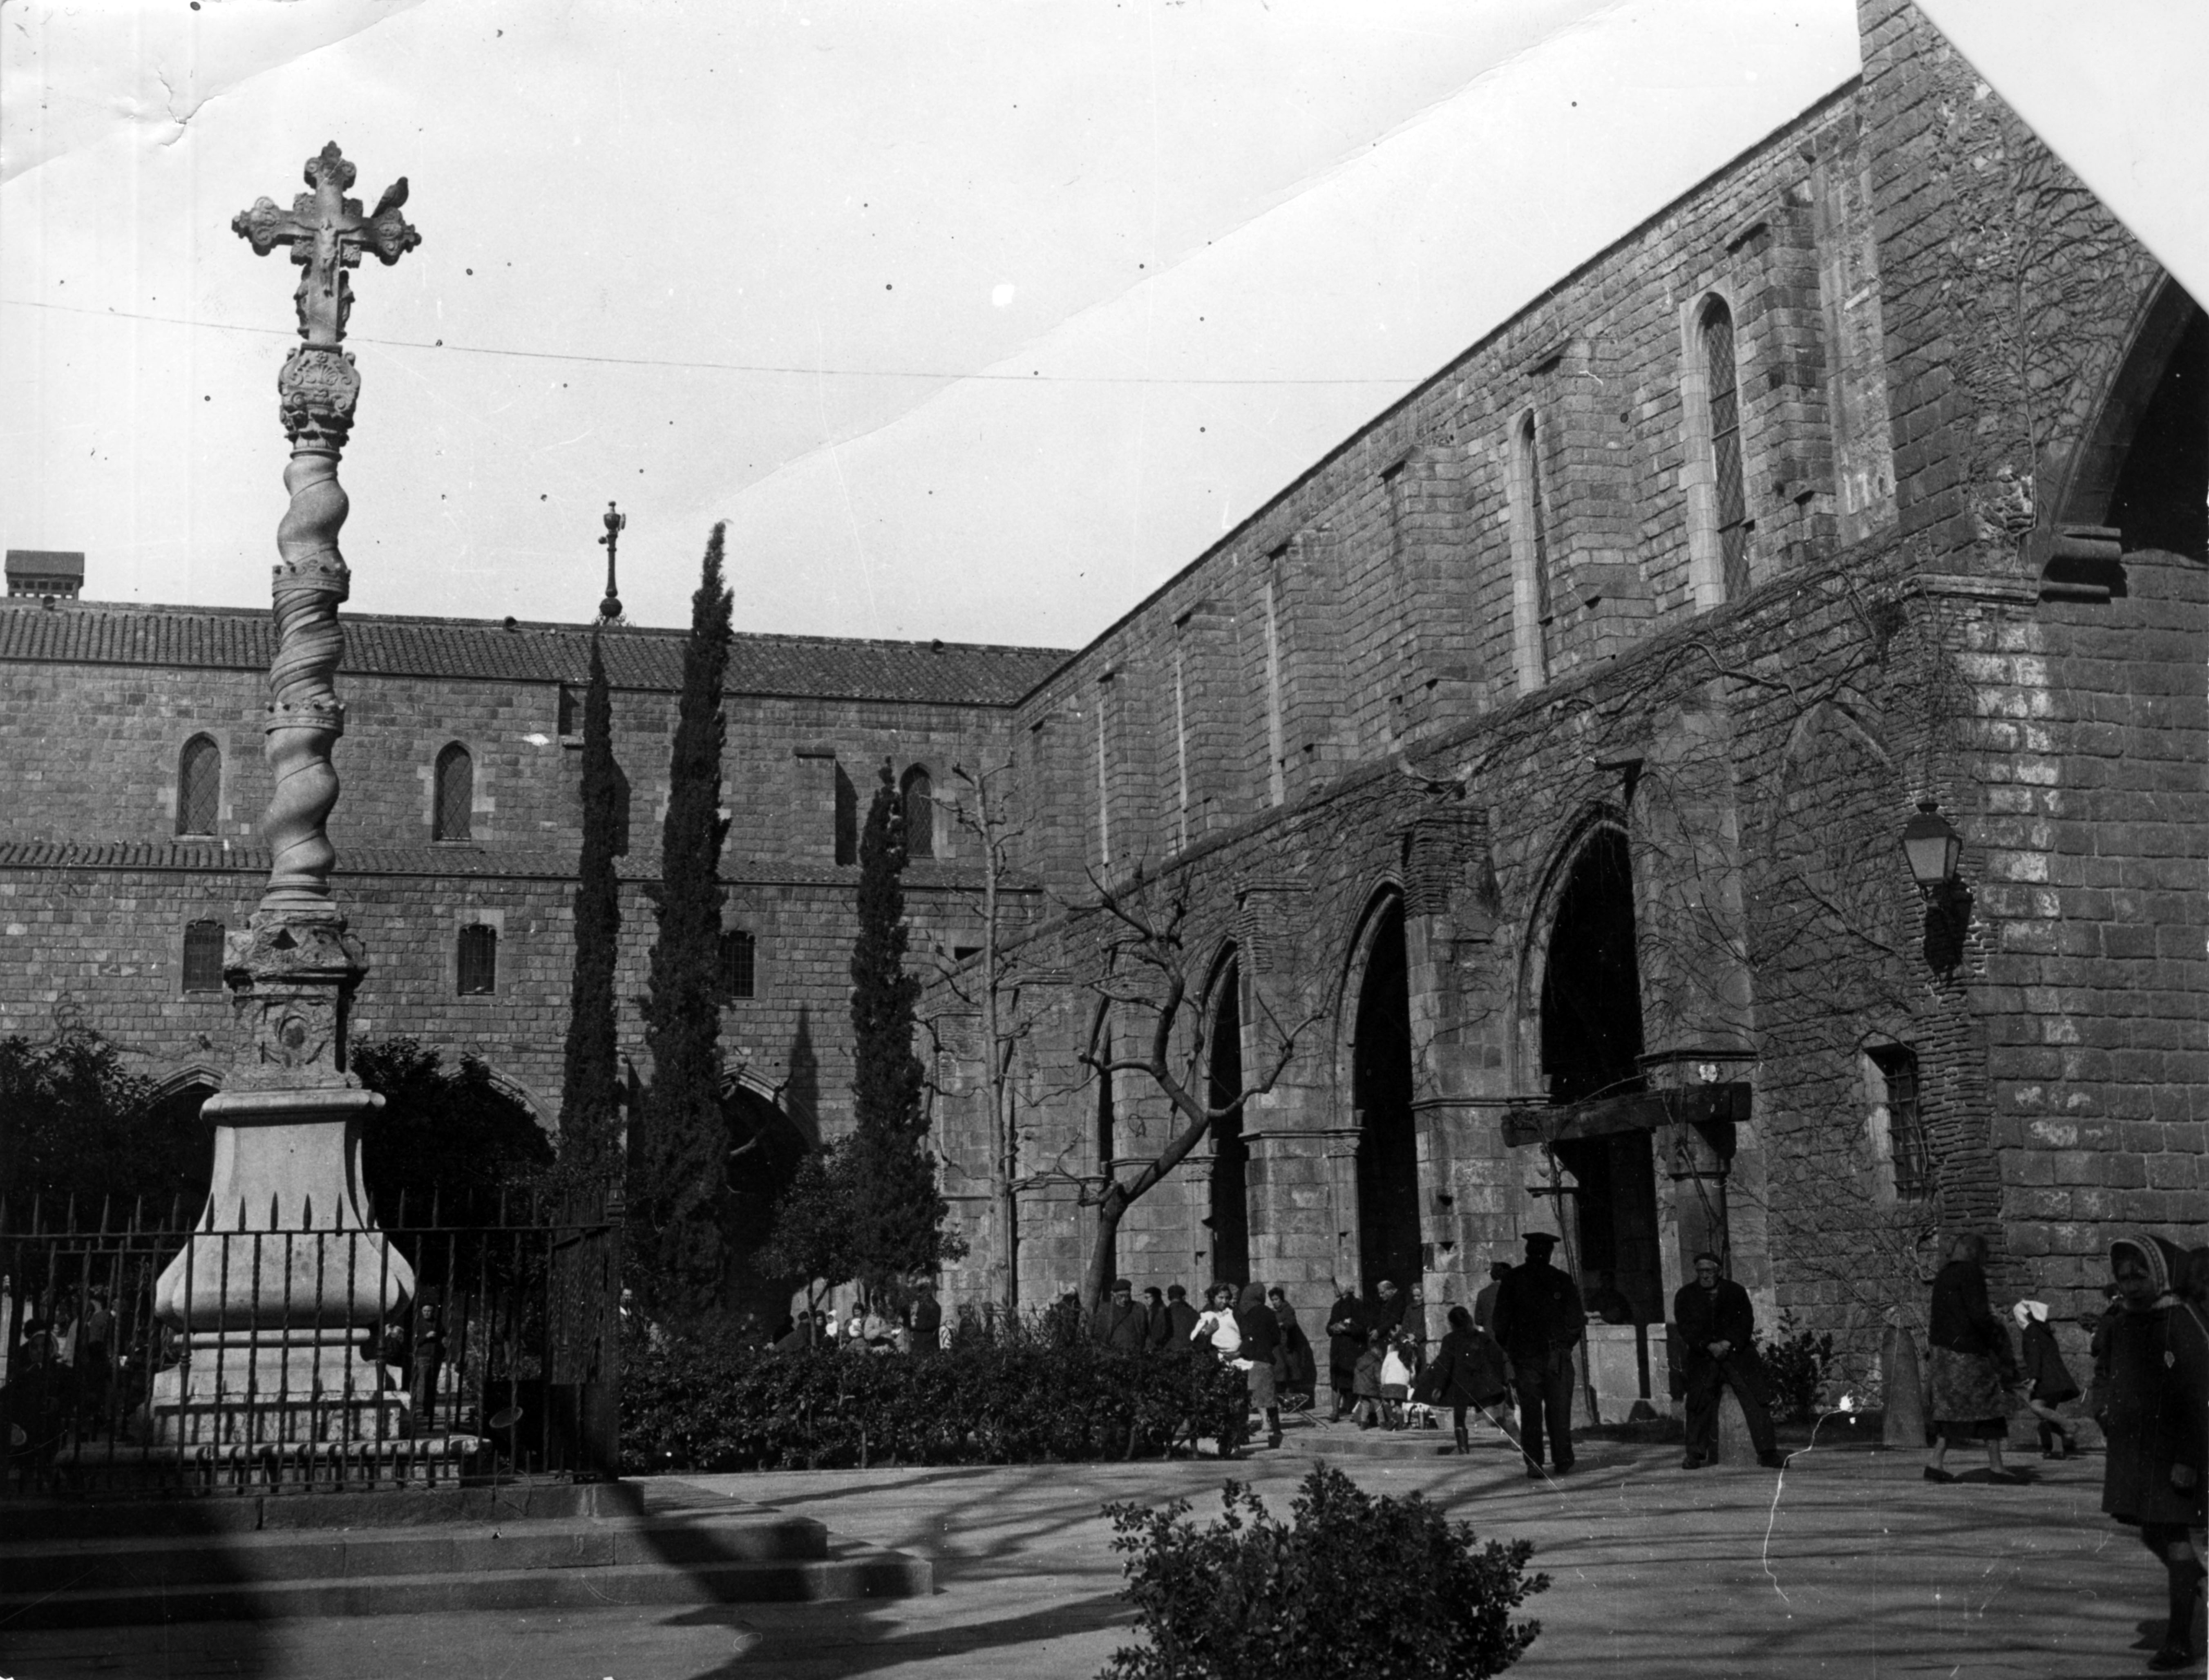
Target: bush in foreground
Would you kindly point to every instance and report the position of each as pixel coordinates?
(1352, 1585)
(694, 1406)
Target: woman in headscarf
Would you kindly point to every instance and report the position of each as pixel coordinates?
(1261, 1343)
(2050, 1380)
(1970, 1367)
(2157, 1425)
(1296, 1372)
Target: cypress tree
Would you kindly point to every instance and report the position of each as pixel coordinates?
(590, 1087)
(897, 1210)
(679, 1201)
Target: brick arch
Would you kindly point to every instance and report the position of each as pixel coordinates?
(1541, 919)
(193, 1074)
(745, 1081)
(1387, 892)
(2090, 476)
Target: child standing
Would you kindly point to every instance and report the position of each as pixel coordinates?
(1365, 1381)
(2051, 1380)
(1396, 1374)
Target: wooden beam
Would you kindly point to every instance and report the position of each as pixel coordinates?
(1639, 1111)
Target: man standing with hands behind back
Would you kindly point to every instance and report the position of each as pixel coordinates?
(1717, 1331)
(1539, 1321)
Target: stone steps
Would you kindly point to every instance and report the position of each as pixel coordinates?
(369, 1554)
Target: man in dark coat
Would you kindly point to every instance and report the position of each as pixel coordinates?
(1119, 1323)
(1484, 1304)
(1157, 1326)
(1718, 1341)
(1386, 1312)
(1538, 1321)
(1346, 1341)
(1181, 1321)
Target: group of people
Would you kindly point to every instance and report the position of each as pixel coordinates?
(871, 1326)
(2149, 1396)
(1253, 1329)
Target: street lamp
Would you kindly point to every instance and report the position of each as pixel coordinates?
(1934, 851)
(1933, 847)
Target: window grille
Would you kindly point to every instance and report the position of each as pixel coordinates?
(455, 793)
(740, 965)
(1725, 448)
(199, 787)
(919, 814)
(1908, 1151)
(204, 956)
(479, 960)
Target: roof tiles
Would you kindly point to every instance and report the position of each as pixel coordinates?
(240, 639)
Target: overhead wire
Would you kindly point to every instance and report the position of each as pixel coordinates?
(676, 365)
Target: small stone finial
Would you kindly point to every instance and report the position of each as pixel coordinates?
(610, 609)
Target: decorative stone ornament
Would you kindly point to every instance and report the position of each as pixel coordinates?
(286, 1279)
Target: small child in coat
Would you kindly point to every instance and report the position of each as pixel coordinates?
(1365, 1383)
(1396, 1374)
(2050, 1379)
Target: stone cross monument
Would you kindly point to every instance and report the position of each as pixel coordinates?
(285, 1276)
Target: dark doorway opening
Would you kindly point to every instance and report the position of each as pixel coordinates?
(765, 1149)
(1228, 1219)
(1387, 1136)
(2162, 497)
(1591, 1048)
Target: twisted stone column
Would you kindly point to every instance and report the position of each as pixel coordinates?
(286, 1278)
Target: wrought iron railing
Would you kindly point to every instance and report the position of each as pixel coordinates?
(473, 1338)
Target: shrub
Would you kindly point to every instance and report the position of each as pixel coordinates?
(1797, 1364)
(1353, 1585)
(691, 1404)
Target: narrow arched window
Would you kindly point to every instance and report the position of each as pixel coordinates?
(919, 813)
(1725, 448)
(739, 966)
(479, 965)
(199, 787)
(455, 793)
(204, 956)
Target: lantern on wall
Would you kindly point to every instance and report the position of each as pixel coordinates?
(1933, 847)
(1935, 852)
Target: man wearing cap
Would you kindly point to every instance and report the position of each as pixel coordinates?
(1718, 1338)
(1539, 1321)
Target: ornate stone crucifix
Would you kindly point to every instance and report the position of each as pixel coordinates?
(286, 1273)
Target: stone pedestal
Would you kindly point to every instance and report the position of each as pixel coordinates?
(1904, 1424)
(280, 1295)
(1734, 1446)
(1615, 1366)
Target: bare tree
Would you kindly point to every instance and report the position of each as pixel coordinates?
(1145, 971)
(992, 988)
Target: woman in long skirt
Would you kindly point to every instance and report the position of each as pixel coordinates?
(1969, 1367)
(2158, 1425)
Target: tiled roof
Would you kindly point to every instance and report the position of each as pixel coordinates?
(813, 667)
(538, 862)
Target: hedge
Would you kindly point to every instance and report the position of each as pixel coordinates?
(689, 1406)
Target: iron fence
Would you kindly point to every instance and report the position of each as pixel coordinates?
(474, 1337)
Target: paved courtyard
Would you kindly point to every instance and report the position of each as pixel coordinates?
(1851, 1565)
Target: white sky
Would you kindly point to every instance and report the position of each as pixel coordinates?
(975, 319)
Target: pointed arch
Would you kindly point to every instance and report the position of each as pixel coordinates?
(2144, 466)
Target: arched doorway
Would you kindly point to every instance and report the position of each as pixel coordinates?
(1591, 1019)
(1381, 1092)
(765, 1146)
(2145, 467)
(1229, 1215)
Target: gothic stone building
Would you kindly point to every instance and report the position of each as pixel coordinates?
(135, 786)
(1530, 776)
(1539, 762)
